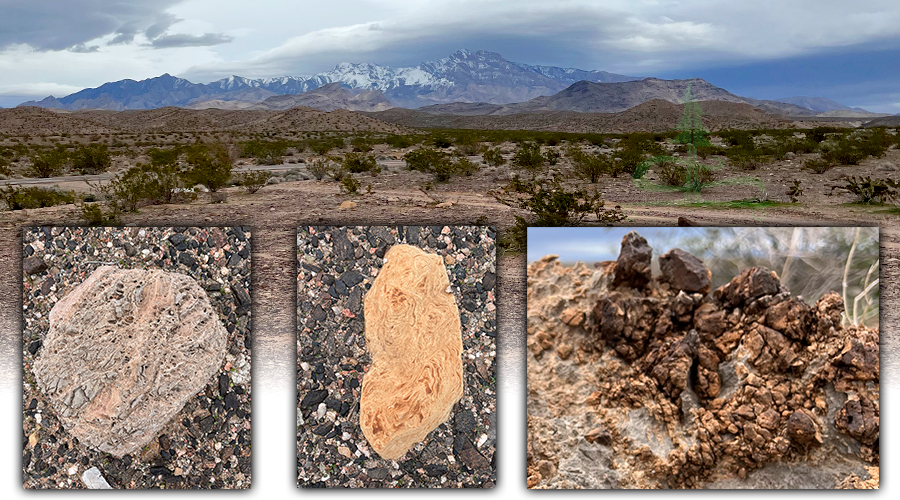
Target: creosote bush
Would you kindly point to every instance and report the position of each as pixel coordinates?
(92, 159)
(493, 157)
(21, 198)
(211, 165)
(253, 181)
(357, 163)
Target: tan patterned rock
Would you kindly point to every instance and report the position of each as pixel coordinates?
(413, 334)
(125, 350)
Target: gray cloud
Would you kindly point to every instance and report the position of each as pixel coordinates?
(83, 49)
(48, 26)
(184, 40)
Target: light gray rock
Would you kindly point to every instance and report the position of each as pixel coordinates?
(94, 480)
(122, 355)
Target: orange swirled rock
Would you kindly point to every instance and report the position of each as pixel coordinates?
(413, 335)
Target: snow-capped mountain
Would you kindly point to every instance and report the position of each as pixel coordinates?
(464, 76)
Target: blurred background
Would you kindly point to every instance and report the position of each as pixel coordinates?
(810, 261)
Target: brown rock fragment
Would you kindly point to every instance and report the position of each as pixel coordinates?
(859, 419)
(633, 264)
(803, 428)
(673, 370)
(572, 317)
(752, 283)
(125, 350)
(684, 271)
(413, 334)
(790, 317)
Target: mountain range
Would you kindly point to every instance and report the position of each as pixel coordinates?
(463, 76)
(464, 83)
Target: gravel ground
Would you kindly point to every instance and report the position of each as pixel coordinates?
(335, 268)
(207, 444)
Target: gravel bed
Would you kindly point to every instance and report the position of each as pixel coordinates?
(207, 444)
(335, 268)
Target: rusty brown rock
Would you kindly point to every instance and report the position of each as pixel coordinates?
(125, 350)
(633, 264)
(859, 419)
(413, 334)
(752, 283)
(672, 372)
(684, 272)
(790, 317)
(803, 428)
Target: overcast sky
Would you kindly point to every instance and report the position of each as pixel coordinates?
(848, 51)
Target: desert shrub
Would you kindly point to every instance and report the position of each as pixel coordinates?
(551, 156)
(356, 163)
(748, 160)
(528, 156)
(439, 140)
(553, 205)
(319, 168)
(493, 157)
(794, 192)
(360, 145)
(49, 163)
(253, 181)
(740, 138)
(796, 145)
(424, 159)
(439, 164)
(211, 165)
(349, 185)
(324, 146)
(589, 166)
(265, 152)
(819, 134)
(843, 152)
(399, 141)
(671, 173)
(628, 161)
(465, 166)
(20, 198)
(641, 143)
(126, 191)
(817, 165)
(872, 191)
(708, 150)
(338, 173)
(164, 174)
(91, 159)
(93, 214)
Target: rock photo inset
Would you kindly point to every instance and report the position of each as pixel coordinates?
(662, 369)
(413, 335)
(137, 357)
(396, 356)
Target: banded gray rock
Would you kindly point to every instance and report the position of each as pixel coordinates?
(125, 351)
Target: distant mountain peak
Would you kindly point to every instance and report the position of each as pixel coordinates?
(464, 75)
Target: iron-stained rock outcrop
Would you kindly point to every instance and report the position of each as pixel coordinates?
(689, 388)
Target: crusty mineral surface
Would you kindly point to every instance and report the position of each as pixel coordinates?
(125, 351)
(412, 331)
(654, 386)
